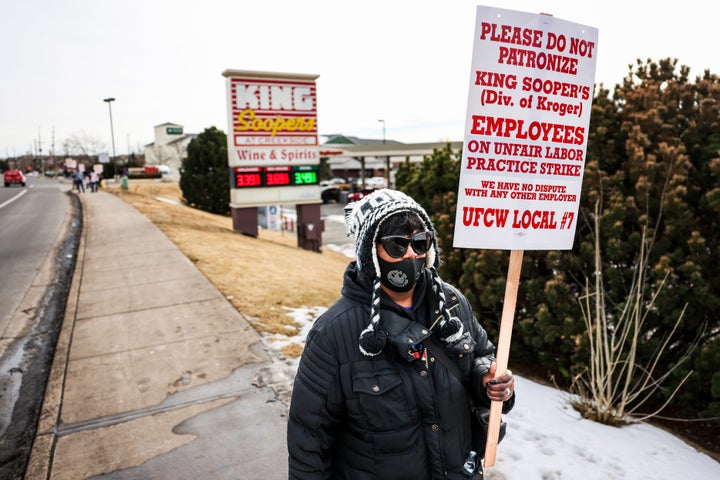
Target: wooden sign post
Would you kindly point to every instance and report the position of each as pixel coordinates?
(503, 350)
(528, 113)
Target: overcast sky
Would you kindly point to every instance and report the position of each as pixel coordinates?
(406, 62)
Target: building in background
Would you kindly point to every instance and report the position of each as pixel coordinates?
(351, 168)
(370, 163)
(170, 146)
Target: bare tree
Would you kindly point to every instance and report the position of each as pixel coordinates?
(614, 387)
(168, 155)
(83, 143)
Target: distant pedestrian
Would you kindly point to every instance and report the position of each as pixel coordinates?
(79, 180)
(94, 181)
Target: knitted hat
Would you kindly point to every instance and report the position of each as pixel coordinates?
(363, 220)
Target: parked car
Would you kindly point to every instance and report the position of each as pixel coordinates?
(14, 177)
(333, 181)
(376, 182)
(329, 194)
(355, 196)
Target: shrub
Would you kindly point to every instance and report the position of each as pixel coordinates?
(204, 175)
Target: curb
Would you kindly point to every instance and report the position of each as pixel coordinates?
(41, 456)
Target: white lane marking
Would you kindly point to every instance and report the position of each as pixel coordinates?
(8, 202)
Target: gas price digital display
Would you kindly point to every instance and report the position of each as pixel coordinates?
(277, 176)
(243, 177)
(248, 177)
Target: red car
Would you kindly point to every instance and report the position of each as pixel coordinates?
(14, 177)
(355, 196)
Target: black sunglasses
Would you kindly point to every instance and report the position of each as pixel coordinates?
(397, 245)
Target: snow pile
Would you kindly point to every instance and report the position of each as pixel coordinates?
(548, 440)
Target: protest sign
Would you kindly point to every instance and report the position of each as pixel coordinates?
(526, 133)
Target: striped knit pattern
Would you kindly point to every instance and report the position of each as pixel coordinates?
(372, 341)
(451, 328)
(363, 220)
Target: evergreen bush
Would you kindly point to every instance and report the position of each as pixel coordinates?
(205, 174)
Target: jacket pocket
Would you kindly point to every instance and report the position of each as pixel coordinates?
(381, 399)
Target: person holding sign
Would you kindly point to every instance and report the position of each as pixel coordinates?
(389, 372)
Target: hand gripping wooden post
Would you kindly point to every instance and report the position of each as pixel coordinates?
(503, 351)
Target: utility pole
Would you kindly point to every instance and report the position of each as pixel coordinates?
(109, 101)
(40, 159)
(387, 157)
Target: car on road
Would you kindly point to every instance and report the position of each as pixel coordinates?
(333, 181)
(14, 177)
(329, 194)
(355, 196)
(376, 182)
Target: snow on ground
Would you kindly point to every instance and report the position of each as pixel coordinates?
(548, 440)
(347, 249)
(172, 202)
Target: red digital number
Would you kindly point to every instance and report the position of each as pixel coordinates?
(277, 178)
(247, 179)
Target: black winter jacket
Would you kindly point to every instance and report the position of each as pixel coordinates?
(391, 416)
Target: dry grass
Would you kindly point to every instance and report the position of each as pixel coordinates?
(261, 276)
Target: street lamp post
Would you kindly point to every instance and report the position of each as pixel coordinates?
(112, 132)
(387, 157)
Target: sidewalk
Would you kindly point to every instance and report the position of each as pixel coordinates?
(156, 375)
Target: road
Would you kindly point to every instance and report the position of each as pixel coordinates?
(34, 226)
(30, 221)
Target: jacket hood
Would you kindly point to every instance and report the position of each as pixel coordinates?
(356, 286)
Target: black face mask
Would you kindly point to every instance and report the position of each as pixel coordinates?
(401, 276)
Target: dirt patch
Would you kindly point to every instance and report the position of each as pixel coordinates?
(261, 277)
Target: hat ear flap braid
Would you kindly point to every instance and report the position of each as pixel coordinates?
(372, 339)
(451, 328)
(432, 256)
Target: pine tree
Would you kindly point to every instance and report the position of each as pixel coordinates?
(650, 164)
(204, 175)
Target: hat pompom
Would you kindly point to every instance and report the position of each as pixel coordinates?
(372, 341)
(450, 330)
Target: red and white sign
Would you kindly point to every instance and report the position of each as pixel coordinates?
(526, 131)
(272, 118)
